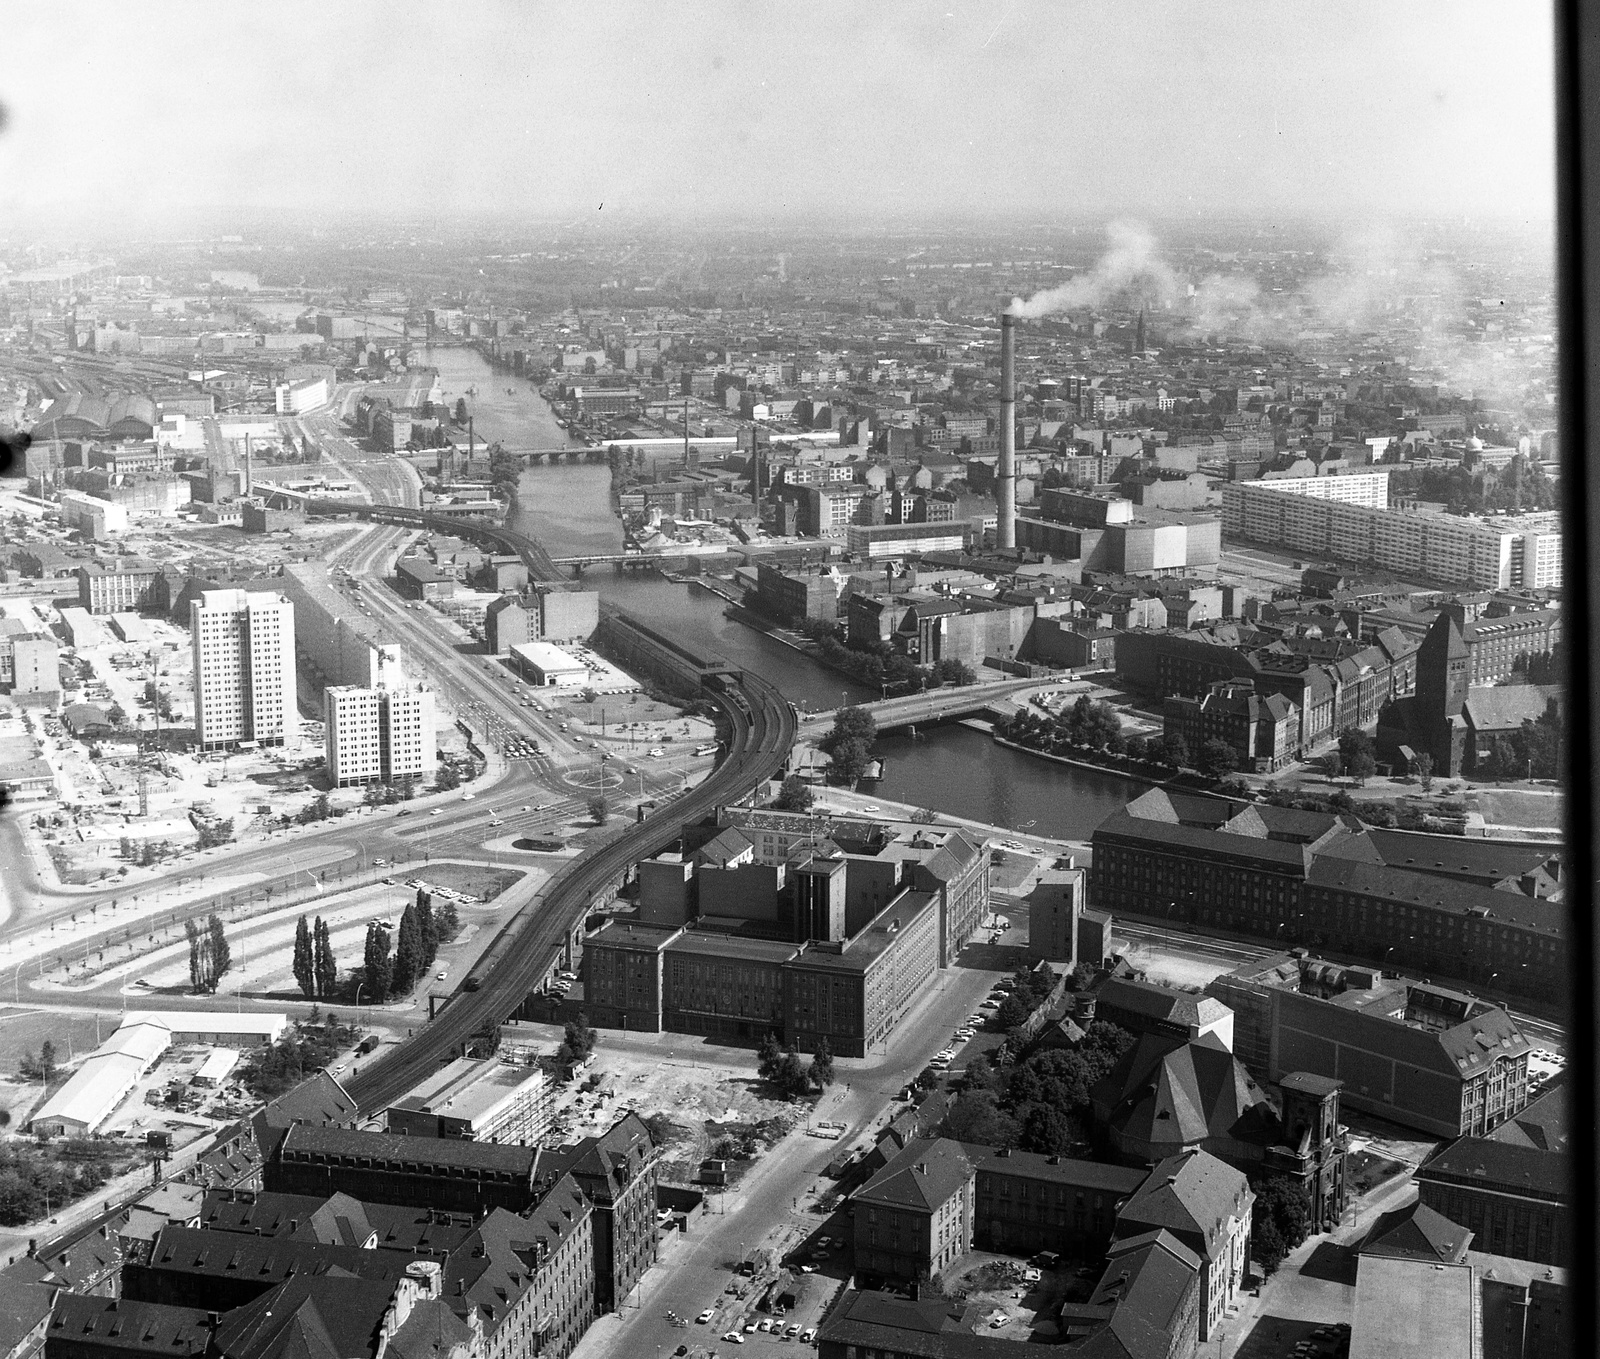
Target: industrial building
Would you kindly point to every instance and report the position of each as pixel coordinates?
(92, 517)
(106, 1078)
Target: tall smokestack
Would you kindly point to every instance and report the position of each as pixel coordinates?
(1006, 473)
(248, 484)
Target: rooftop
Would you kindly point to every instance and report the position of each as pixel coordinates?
(1412, 1309)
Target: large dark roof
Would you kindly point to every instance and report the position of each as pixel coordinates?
(925, 1174)
(507, 1253)
(1192, 1196)
(268, 1260)
(123, 1324)
(338, 1220)
(1063, 1170)
(1473, 857)
(1437, 893)
(1166, 1094)
(1542, 1123)
(1416, 1232)
(399, 1149)
(308, 1318)
(1499, 1167)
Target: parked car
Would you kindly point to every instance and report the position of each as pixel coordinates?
(706, 1315)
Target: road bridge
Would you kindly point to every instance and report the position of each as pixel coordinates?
(929, 707)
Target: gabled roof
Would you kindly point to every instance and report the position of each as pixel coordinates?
(1499, 1167)
(504, 1256)
(1541, 1123)
(24, 1302)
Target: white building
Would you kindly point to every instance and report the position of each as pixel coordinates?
(1348, 488)
(295, 398)
(244, 672)
(547, 664)
(381, 732)
(91, 516)
(216, 1028)
(106, 1078)
(1492, 552)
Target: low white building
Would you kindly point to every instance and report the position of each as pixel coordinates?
(548, 665)
(218, 1028)
(106, 1078)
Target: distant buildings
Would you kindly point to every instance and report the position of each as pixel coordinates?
(244, 669)
(1309, 515)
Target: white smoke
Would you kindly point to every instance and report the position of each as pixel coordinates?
(1132, 265)
(1375, 277)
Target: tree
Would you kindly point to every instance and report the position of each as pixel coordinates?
(1217, 758)
(377, 964)
(221, 954)
(326, 970)
(47, 1060)
(979, 1075)
(850, 724)
(1355, 749)
(1422, 767)
(768, 1056)
(201, 975)
(579, 1040)
(1174, 750)
(448, 779)
(461, 410)
(1047, 1131)
(795, 795)
(117, 715)
(428, 929)
(600, 809)
(305, 963)
(820, 1072)
(792, 1079)
(976, 1117)
(318, 809)
(851, 759)
(1280, 1221)
(214, 833)
(954, 672)
(408, 962)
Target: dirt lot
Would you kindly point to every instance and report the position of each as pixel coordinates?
(699, 1099)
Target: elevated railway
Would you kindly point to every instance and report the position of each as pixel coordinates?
(761, 726)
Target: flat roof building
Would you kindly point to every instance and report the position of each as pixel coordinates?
(546, 664)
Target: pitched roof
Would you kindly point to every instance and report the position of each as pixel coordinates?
(1416, 1232)
(925, 1174)
(398, 1148)
(1505, 707)
(123, 1324)
(1541, 1123)
(1499, 1167)
(308, 1318)
(507, 1252)
(1193, 1196)
(1164, 1092)
(24, 1303)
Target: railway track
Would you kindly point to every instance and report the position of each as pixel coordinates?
(761, 726)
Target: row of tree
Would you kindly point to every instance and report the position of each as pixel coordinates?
(416, 945)
(314, 966)
(210, 957)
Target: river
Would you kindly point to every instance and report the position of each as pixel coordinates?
(953, 769)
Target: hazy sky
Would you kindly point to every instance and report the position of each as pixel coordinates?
(834, 112)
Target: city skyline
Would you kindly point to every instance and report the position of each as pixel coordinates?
(949, 111)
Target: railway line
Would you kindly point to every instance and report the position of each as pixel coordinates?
(761, 725)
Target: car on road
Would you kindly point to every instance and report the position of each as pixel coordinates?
(380, 863)
(733, 1337)
(437, 811)
(438, 976)
(706, 1315)
(808, 1269)
(496, 821)
(388, 882)
(872, 807)
(467, 797)
(808, 1335)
